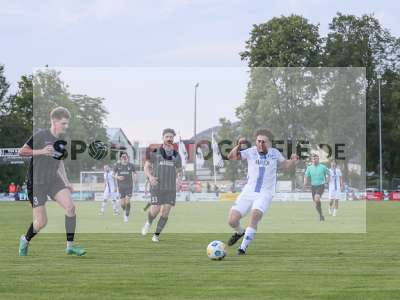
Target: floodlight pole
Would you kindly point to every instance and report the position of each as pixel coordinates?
(195, 133)
(380, 134)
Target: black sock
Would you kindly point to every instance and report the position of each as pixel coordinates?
(147, 206)
(128, 209)
(30, 233)
(160, 225)
(318, 208)
(150, 218)
(70, 225)
(123, 206)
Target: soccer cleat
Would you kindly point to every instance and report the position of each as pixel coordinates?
(322, 218)
(155, 238)
(146, 228)
(23, 246)
(241, 252)
(75, 251)
(234, 238)
(116, 213)
(101, 213)
(125, 219)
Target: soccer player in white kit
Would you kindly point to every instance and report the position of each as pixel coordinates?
(263, 162)
(335, 187)
(110, 190)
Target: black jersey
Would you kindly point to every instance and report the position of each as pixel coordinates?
(127, 172)
(43, 168)
(164, 167)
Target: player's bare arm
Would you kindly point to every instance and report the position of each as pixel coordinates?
(305, 180)
(147, 171)
(63, 175)
(235, 152)
(25, 150)
(289, 162)
(179, 175)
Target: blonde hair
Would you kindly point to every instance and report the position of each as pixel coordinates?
(59, 113)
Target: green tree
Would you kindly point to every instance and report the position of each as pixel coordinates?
(273, 96)
(363, 42)
(4, 86)
(87, 122)
(278, 97)
(15, 126)
(391, 123)
(283, 42)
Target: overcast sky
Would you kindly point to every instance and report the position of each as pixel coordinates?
(104, 34)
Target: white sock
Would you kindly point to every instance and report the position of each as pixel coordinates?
(248, 237)
(239, 229)
(114, 205)
(70, 244)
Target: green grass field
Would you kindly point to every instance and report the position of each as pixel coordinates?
(277, 266)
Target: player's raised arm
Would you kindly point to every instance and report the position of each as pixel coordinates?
(289, 162)
(235, 152)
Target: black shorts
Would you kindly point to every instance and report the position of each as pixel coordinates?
(163, 197)
(37, 193)
(125, 191)
(317, 189)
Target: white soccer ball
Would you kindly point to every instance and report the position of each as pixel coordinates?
(216, 250)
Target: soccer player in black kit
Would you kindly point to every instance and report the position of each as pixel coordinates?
(163, 170)
(47, 177)
(125, 173)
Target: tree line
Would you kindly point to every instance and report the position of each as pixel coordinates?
(282, 95)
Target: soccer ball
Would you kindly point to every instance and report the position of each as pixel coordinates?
(216, 250)
(98, 150)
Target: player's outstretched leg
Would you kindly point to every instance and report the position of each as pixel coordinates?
(70, 225)
(336, 206)
(330, 210)
(250, 232)
(63, 198)
(234, 222)
(127, 209)
(152, 214)
(103, 205)
(40, 221)
(162, 221)
(318, 207)
(25, 239)
(115, 207)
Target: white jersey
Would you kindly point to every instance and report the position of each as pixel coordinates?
(334, 183)
(261, 169)
(109, 182)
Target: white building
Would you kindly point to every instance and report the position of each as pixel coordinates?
(119, 141)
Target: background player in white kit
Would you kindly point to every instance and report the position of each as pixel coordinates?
(263, 162)
(335, 187)
(110, 190)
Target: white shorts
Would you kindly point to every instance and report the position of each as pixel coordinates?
(334, 195)
(252, 200)
(109, 195)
